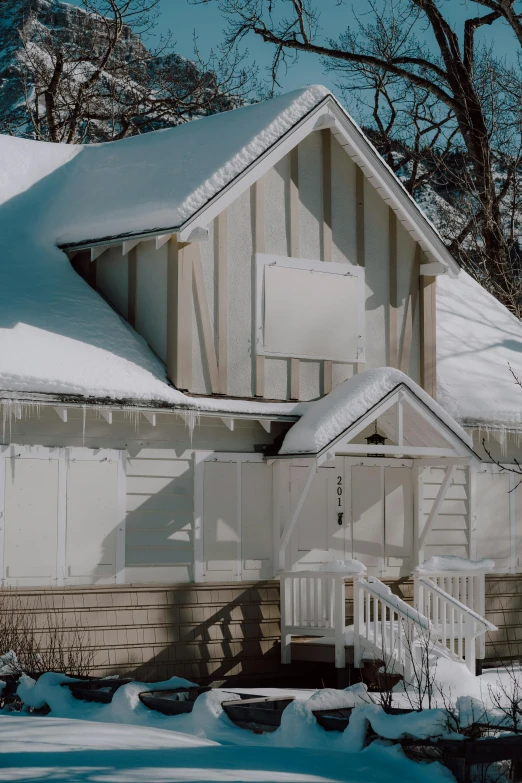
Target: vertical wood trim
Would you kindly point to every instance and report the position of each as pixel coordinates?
(119, 563)
(199, 476)
(186, 319)
(472, 512)
(411, 306)
(359, 233)
(259, 244)
(132, 279)
(204, 314)
(61, 527)
(512, 524)
(172, 311)
(327, 246)
(326, 140)
(428, 334)
(239, 562)
(393, 338)
(294, 203)
(2, 518)
(294, 379)
(294, 251)
(221, 224)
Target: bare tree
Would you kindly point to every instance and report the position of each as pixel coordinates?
(86, 74)
(450, 101)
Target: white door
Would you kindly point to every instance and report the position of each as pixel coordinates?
(317, 537)
(379, 516)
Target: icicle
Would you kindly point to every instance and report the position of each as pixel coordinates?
(133, 415)
(191, 418)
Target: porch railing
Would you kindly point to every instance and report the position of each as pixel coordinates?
(468, 587)
(455, 625)
(313, 604)
(387, 627)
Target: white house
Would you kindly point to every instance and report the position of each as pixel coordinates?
(199, 330)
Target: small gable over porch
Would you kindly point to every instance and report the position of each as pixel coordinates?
(395, 473)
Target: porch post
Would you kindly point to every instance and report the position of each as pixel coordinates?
(418, 494)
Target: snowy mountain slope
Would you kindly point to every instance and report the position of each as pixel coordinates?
(28, 29)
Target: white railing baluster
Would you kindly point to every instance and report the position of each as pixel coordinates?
(460, 624)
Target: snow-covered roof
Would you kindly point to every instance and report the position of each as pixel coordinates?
(322, 422)
(57, 336)
(156, 181)
(477, 340)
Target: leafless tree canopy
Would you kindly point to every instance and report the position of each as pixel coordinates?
(84, 74)
(446, 115)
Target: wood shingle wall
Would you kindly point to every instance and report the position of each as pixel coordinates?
(213, 632)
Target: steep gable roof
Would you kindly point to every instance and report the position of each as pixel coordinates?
(179, 179)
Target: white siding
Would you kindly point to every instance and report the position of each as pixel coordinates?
(449, 534)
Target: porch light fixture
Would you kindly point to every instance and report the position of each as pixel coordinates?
(375, 439)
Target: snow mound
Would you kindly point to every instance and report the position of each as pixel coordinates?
(454, 563)
(329, 417)
(477, 340)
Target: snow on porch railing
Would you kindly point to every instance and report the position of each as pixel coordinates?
(313, 604)
(468, 587)
(455, 625)
(387, 627)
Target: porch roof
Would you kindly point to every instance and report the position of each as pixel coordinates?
(352, 403)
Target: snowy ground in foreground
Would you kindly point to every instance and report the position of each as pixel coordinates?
(65, 750)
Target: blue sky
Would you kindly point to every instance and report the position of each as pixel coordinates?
(182, 18)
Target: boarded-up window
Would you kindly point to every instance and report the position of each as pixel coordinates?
(31, 518)
(309, 310)
(92, 515)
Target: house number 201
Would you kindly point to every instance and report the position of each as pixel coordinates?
(339, 499)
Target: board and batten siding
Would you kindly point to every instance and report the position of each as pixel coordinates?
(314, 204)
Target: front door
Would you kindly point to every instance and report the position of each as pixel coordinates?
(378, 513)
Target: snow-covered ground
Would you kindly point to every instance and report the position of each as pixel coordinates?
(125, 742)
(73, 751)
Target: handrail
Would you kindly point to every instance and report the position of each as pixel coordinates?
(386, 624)
(458, 604)
(396, 603)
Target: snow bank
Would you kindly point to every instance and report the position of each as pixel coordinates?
(327, 418)
(477, 337)
(454, 563)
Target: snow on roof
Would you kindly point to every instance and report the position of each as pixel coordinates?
(477, 338)
(56, 334)
(329, 417)
(158, 180)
